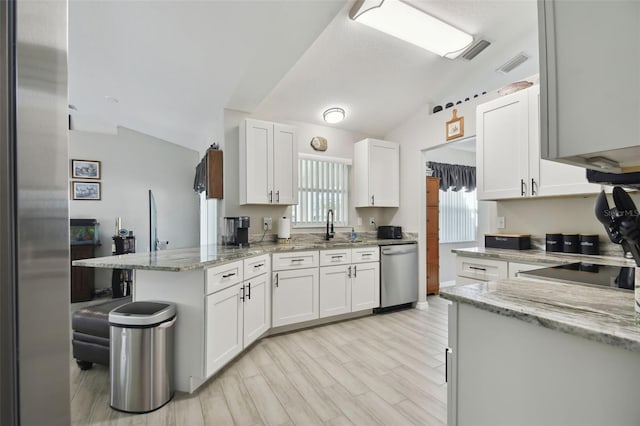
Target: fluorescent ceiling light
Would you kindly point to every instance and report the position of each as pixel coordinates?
(333, 115)
(407, 23)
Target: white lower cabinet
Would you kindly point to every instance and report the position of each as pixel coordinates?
(350, 287)
(295, 296)
(238, 315)
(365, 286)
(257, 308)
(335, 290)
(224, 327)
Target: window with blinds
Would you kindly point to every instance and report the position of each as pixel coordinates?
(458, 216)
(322, 185)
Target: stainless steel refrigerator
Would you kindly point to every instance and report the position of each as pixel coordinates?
(34, 236)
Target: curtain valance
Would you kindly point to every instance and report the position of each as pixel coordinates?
(454, 176)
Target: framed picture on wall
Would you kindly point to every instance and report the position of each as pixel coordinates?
(455, 126)
(85, 169)
(85, 190)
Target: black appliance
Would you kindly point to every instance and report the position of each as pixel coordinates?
(621, 222)
(389, 232)
(589, 274)
(236, 231)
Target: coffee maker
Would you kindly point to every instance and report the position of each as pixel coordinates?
(236, 231)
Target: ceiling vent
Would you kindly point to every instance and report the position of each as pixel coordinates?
(512, 63)
(475, 49)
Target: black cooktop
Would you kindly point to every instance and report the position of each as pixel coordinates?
(618, 277)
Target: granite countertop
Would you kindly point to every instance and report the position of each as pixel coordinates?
(602, 315)
(541, 256)
(206, 256)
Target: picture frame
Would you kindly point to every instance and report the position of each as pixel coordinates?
(86, 190)
(455, 126)
(86, 169)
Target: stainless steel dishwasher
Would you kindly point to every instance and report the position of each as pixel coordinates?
(398, 274)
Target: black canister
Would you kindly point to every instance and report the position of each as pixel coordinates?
(589, 244)
(554, 242)
(571, 243)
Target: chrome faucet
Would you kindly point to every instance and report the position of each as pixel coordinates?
(330, 234)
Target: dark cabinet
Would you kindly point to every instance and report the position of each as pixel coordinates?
(82, 278)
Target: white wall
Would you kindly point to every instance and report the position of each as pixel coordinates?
(419, 132)
(133, 163)
(340, 145)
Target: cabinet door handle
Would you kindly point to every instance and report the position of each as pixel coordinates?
(242, 297)
(349, 273)
(297, 260)
(278, 196)
(533, 186)
(478, 268)
(446, 365)
(367, 254)
(373, 198)
(259, 265)
(355, 271)
(337, 257)
(249, 293)
(276, 280)
(271, 196)
(522, 188)
(228, 275)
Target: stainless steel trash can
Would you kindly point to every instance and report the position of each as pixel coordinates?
(141, 356)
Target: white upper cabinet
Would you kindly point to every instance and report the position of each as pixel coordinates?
(268, 163)
(376, 166)
(590, 90)
(508, 162)
(502, 128)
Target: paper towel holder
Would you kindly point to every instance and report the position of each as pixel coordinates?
(284, 230)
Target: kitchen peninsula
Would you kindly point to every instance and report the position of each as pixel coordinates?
(227, 298)
(526, 351)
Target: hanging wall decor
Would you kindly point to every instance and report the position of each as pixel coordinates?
(455, 126)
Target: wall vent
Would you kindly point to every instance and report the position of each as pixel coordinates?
(512, 63)
(475, 49)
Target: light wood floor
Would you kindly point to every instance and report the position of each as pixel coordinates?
(383, 369)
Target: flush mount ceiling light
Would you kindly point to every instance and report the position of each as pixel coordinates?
(407, 23)
(333, 115)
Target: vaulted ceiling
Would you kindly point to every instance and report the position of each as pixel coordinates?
(169, 68)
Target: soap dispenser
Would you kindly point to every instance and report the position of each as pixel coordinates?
(353, 234)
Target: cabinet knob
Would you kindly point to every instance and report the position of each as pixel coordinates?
(373, 198)
(276, 280)
(533, 186)
(523, 188)
(278, 196)
(249, 292)
(271, 196)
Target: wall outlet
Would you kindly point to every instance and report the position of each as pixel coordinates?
(266, 224)
(372, 221)
(500, 223)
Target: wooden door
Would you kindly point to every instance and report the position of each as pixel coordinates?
(224, 327)
(365, 286)
(295, 296)
(257, 308)
(285, 165)
(433, 242)
(335, 290)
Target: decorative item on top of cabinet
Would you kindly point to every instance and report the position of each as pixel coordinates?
(508, 152)
(433, 238)
(455, 126)
(376, 165)
(268, 163)
(215, 186)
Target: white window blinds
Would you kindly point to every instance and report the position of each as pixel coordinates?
(458, 216)
(322, 185)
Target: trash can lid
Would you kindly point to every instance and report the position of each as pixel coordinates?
(142, 313)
